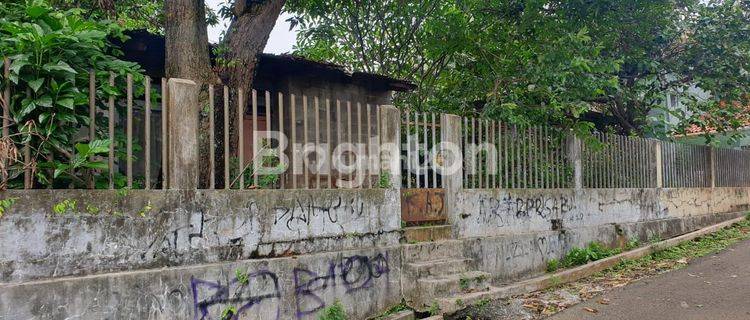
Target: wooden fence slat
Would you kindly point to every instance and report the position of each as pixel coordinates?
(92, 106)
(368, 148)
(329, 143)
(255, 159)
(211, 139)
(147, 133)
(293, 128)
(379, 146)
(129, 130)
(465, 137)
(6, 111)
(92, 118)
(164, 129)
(420, 165)
(408, 152)
(6, 98)
(281, 132)
(359, 138)
(350, 139)
(339, 129)
(434, 152)
(241, 137)
(316, 107)
(305, 158)
(111, 130)
(269, 122)
(227, 183)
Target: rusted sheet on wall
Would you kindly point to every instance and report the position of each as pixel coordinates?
(422, 205)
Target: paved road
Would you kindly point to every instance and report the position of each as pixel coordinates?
(712, 287)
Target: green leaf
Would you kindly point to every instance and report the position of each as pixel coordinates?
(36, 11)
(60, 66)
(97, 165)
(99, 146)
(27, 108)
(67, 103)
(44, 101)
(36, 84)
(82, 148)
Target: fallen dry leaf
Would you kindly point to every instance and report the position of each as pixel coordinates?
(592, 310)
(604, 301)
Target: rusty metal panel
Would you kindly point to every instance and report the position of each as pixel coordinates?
(422, 205)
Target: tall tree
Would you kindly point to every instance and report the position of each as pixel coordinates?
(541, 61)
(188, 57)
(186, 35)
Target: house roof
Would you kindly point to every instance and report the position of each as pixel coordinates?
(148, 50)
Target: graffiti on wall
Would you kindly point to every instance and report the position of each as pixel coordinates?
(305, 212)
(353, 273)
(503, 211)
(263, 289)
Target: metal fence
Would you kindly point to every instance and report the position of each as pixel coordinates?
(500, 156)
(420, 151)
(732, 168)
(244, 132)
(311, 132)
(613, 161)
(686, 166)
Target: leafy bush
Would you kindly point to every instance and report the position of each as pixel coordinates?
(52, 53)
(553, 265)
(333, 312)
(594, 251)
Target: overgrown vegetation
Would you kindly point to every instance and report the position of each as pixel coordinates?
(333, 312)
(52, 53)
(5, 204)
(594, 251)
(393, 310)
(557, 296)
(541, 62)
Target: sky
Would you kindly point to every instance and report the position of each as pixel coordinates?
(280, 41)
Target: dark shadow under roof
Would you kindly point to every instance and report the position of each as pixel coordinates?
(148, 50)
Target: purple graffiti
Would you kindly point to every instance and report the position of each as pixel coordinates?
(235, 292)
(355, 273)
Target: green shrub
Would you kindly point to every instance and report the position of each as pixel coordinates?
(52, 53)
(553, 265)
(594, 251)
(333, 312)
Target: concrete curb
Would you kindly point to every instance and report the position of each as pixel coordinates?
(449, 305)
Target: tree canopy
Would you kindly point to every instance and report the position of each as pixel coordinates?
(541, 61)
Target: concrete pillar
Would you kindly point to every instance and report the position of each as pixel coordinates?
(453, 181)
(390, 149)
(658, 167)
(574, 156)
(712, 166)
(183, 134)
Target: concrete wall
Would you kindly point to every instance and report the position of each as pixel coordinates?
(113, 231)
(497, 212)
(365, 281)
(288, 254)
(509, 233)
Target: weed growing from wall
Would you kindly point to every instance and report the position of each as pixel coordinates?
(333, 312)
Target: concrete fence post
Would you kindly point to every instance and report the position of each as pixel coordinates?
(712, 166)
(658, 164)
(183, 134)
(390, 144)
(574, 155)
(452, 162)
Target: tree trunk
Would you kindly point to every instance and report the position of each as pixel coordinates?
(187, 56)
(246, 38)
(186, 35)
